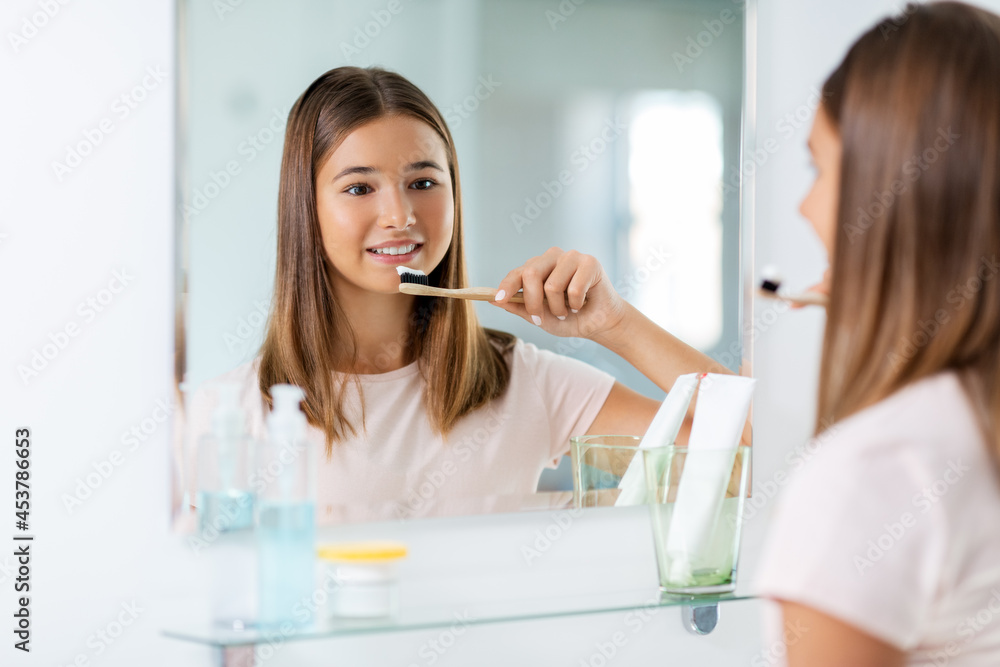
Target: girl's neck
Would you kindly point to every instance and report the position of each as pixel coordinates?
(382, 326)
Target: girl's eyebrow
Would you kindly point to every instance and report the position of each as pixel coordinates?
(413, 166)
(423, 164)
(356, 170)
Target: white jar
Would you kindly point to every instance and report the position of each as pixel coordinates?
(361, 578)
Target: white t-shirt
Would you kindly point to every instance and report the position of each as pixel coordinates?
(892, 525)
(401, 468)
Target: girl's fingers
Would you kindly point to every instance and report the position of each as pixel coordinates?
(556, 284)
(509, 286)
(532, 278)
(586, 274)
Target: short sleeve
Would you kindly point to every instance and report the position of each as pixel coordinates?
(853, 537)
(572, 391)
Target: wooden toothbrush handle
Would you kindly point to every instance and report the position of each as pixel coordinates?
(468, 293)
(800, 299)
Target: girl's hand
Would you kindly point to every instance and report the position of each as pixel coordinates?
(566, 294)
(822, 287)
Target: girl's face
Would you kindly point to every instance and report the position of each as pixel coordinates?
(384, 199)
(820, 205)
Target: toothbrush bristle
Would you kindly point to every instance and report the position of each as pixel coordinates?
(770, 285)
(414, 276)
(770, 279)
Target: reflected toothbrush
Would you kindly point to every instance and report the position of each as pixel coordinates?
(770, 287)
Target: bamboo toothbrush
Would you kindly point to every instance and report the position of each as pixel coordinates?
(770, 284)
(413, 281)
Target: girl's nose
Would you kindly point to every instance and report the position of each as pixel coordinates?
(397, 212)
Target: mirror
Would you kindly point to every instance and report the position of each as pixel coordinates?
(612, 127)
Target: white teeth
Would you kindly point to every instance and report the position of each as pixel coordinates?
(398, 250)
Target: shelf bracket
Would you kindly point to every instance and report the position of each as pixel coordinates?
(700, 619)
(235, 656)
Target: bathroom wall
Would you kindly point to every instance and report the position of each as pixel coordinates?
(88, 285)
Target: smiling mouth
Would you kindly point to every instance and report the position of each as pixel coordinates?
(395, 250)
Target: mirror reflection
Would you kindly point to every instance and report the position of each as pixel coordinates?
(578, 157)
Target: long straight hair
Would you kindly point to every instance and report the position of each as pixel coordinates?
(915, 290)
(308, 333)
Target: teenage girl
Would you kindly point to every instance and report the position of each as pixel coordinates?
(885, 548)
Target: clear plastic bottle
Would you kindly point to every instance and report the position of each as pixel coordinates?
(225, 514)
(286, 523)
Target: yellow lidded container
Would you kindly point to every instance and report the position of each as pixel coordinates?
(362, 578)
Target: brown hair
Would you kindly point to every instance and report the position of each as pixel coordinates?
(307, 333)
(916, 102)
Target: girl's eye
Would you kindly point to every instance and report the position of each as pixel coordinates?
(423, 184)
(358, 190)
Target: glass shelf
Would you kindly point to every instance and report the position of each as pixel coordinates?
(469, 613)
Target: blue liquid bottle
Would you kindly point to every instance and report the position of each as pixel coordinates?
(286, 524)
(225, 514)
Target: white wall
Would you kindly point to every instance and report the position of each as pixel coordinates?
(62, 241)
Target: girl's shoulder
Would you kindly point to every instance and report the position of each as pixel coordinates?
(923, 415)
(907, 440)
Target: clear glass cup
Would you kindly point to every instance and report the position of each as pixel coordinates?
(599, 462)
(696, 499)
